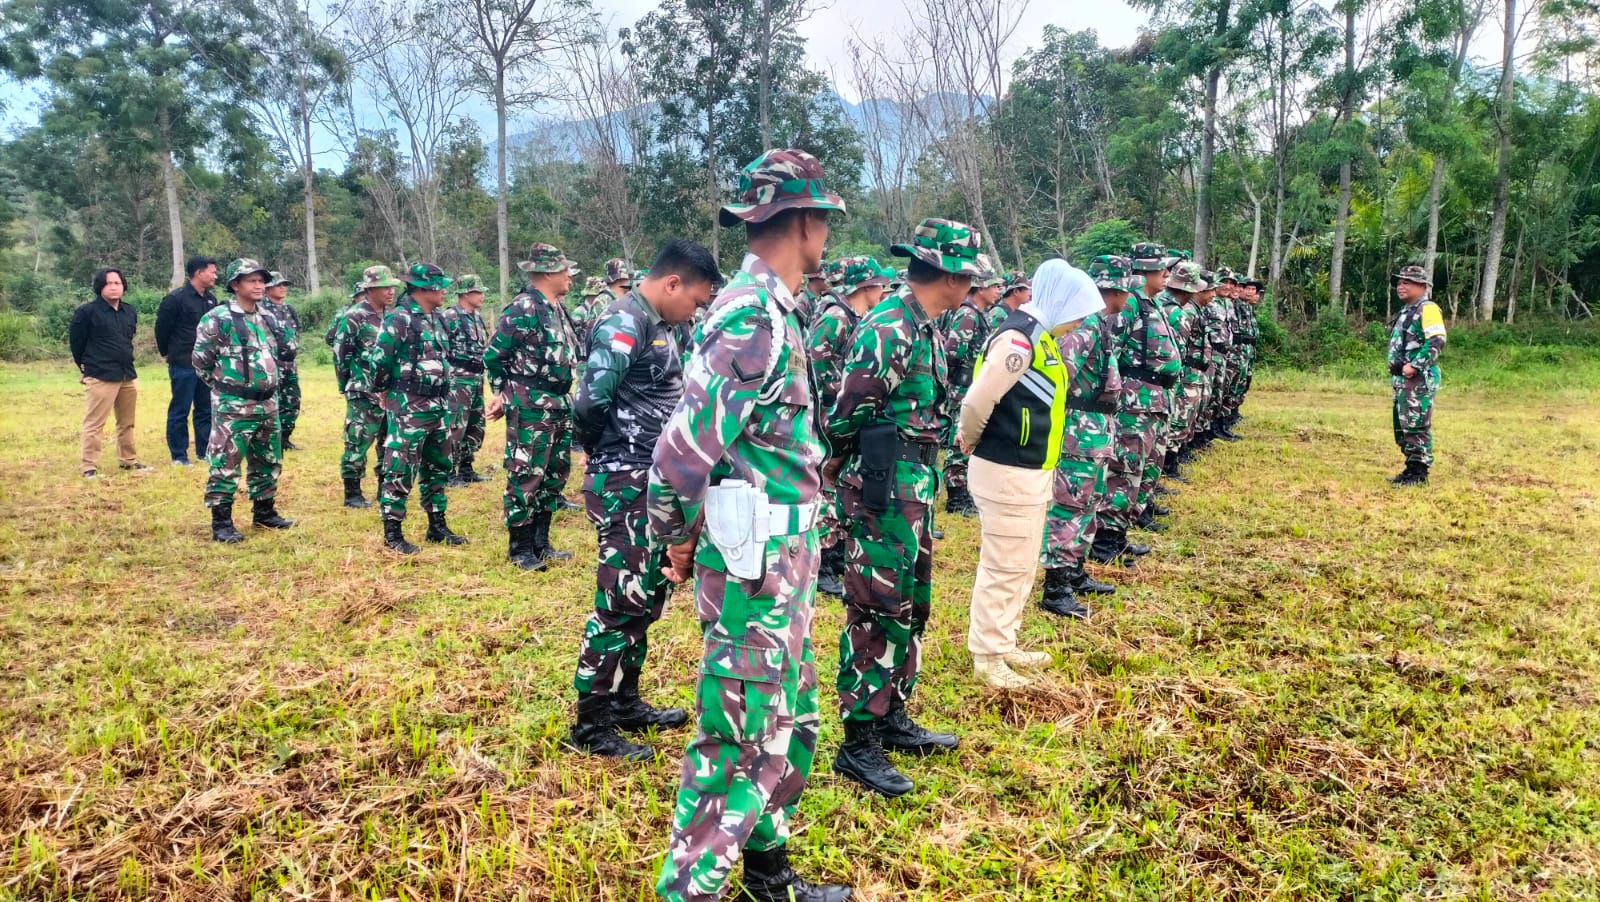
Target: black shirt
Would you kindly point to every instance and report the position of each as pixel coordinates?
(176, 320)
(102, 340)
(630, 387)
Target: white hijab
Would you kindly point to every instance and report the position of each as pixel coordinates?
(1062, 293)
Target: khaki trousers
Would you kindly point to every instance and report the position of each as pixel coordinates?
(1011, 508)
(105, 397)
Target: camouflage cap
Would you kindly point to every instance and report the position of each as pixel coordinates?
(1111, 272)
(1210, 278)
(639, 275)
(1224, 274)
(467, 284)
(545, 258)
(779, 180)
(943, 244)
(357, 292)
(1413, 274)
(1015, 281)
(864, 272)
(378, 276)
(427, 277)
(833, 271)
(1176, 255)
(1148, 257)
(593, 287)
(275, 278)
(242, 267)
(1186, 276)
(992, 275)
(618, 270)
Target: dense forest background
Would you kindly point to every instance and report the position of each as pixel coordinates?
(1316, 145)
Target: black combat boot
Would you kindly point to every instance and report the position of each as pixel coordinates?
(1084, 584)
(352, 494)
(830, 575)
(596, 734)
(467, 473)
(454, 480)
(861, 758)
(264, 514)
(899, 733)
(1111, 547)
(439, 531)
(1147, 521)
(563, 503)
(222, 525)
(630, 712)
(541, 539)
(1164, 489)
(1417, 476)
(1186, 453)
(394, 539)
(1059, 598)
(288, 445)
(1157, 510)
(523, 552)
(1224, 431)
(1170, 467)
(768, 878)
(959, 501)
(1405, 474)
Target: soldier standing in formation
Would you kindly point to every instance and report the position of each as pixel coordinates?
(633, 381)
(1015, 291)
(364, 420)
(828, 344)
(288, 329)
(530, 360)
(236, 356)
(886, 428)
(740, 459)
(966, 334)
(467, 333)
(1415, 342)
(411, 358)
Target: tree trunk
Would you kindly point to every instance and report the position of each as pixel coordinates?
(308, 193)
(169, 179)
(1208, 141)
(1255, 240)
(1433, 213)
(1497, 225)
(1346, 112)
(501, 217)
(1516, 272)
(764, 104)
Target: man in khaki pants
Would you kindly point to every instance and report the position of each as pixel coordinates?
(101, 337)
(1013, 421)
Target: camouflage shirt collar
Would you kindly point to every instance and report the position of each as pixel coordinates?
(919, 314)
(235, 307)
(645, 305)
(758, 270)
(967, 302)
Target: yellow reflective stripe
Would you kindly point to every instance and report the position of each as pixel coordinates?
(1023, 440)
(1432, 320)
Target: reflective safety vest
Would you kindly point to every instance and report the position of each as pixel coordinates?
(1027, 425)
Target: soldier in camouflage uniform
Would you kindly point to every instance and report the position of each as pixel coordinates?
(745, 427)
(1090, 439)
(411, 358)
(1218, 314)
(966, 334)
(1014, 292)
(1155, 303)
(1245, 335)
(1228, 303)
(288, 331)
(530, 360)
(1415, 342)
(467, 333)
(365, 423)
(1185, 282)
(888, 424)
(827, 344)
(630, 387)
(236, 356)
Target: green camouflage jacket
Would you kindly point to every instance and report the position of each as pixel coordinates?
(286, 329)
(1417, 338)
(411, 357)
(358, 326)
(236, 352)
(896, 373)
(1192, 339)
(828, 344)
(468, 336)
(531, 356)
(1093, 386)
(1146, 347)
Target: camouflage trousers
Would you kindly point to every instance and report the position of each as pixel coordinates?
(365, 425)
(1413, 419)
(288, 401)
(888, 592)
(1241, 381)
(955, 469)
(418, 448)
(630, 592)
(244, 437)
(1070, 522)
(467, 424)
(534, 437)
(829, 528)
(1161, 425)
(756, 706)
(1137, 434)
(1191, 402)
(561, 457)
(1216, 393)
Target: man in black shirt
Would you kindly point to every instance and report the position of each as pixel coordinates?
(176, 320)
(101, 336)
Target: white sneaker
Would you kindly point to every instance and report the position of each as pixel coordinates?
(997, 674)
(1028, 660)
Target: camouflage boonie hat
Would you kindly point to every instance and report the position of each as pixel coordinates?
(833, 272)
(1148, 257)
(427, 277)
(1211, 280)
(1176, 255)
(863, 272)
(1186, 276)
(779, 180)
(357, 292)
(275, 278)
(993, 275)
(946, 245)
(618, 270)
(1111, 272)
(467, 284)
(593, 287)
(1015, 281)
(1224, 274)
(639, 275)
(545, 258)
(244, 266)
(1413, 274)
(378, 277)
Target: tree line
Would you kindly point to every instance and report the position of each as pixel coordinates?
(1313, 144)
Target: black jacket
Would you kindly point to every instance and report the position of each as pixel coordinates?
(630, 386)
(101, 337)
(176, 320)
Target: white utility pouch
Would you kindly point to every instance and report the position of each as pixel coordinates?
(736, 520)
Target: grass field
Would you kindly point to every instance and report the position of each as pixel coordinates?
(1319, 687)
